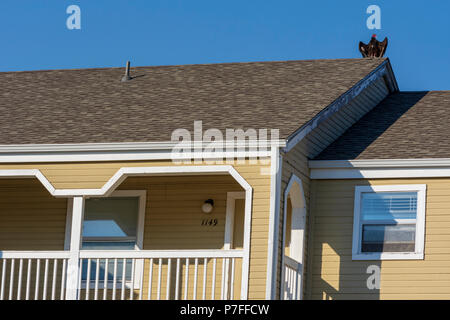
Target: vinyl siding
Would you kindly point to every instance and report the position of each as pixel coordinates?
(335, 276)
(30, 218)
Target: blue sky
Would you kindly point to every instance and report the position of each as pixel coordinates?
(34, 35)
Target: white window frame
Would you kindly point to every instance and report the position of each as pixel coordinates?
(418, 253)
(139, 266)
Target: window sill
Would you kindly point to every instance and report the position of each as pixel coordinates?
(388, 256)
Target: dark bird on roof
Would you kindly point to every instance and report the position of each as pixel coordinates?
(374, 49)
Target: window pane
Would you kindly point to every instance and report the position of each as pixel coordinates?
(107, 246)
(388, 238)
(111, 217)
(388, 206)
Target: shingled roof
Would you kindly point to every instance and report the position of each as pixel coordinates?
(94, 106)
(406, 125)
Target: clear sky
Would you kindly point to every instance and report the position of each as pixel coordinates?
(34, 35)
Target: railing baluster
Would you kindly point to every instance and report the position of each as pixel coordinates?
(11, 280)
(141, 280)
(205, 267)
(132, 279)
(177, 280)
(158, 293)
(55, 272)
(88, 278)
(27, 291)
(2, 290)
(291, 276)
(105, 280)
(45, 280)
(222, 286)
(213, 285)
(114, 279)
(80, 276)
(19, 284)
(97, 275)
(169, 269)
(195, 278)
(186, 280)
(124, 269)
(150, 279)
(227, 278)
(232, 279)
(63, 279)
(38, 273)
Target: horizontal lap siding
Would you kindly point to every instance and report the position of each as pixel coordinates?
(30, 218)
(89, 175)
(336, 276)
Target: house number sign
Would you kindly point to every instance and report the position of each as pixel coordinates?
(209, 222)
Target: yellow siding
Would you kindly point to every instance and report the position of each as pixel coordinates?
(96, 174)
(336, 276)
(30, 218)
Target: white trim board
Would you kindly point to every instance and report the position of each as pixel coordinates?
(229, 219)
(386, 173)
(120, 176)
(378, 169)
(133, 151)
(274, 221)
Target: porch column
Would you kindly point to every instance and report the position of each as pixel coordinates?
(73, 270)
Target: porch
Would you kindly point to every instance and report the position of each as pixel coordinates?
(149, 236)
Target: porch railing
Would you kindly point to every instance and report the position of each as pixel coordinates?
(35, 275)
(292, 279)
(120, 275)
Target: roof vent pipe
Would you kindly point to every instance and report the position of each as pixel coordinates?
(127, 77)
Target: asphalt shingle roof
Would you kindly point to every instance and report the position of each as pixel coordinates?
(93, 105)
(406, 125)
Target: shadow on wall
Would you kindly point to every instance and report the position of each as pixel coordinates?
(335, 274)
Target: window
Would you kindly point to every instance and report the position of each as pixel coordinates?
(113, 223)
(389, 222)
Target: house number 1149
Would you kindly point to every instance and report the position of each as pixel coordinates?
(209, 222)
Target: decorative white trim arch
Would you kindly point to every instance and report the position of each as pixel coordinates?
(120, 176)
(294, 189)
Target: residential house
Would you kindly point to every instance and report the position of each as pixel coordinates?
(105, 196)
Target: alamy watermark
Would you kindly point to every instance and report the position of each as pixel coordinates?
(232, 146)
(374, 20)
(74, 20)
(373, 281)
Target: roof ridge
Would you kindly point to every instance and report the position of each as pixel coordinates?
(196, 64)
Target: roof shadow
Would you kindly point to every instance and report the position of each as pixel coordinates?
(371, 126)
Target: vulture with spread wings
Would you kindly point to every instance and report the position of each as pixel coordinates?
(374, 49)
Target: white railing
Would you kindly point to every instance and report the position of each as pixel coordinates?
(36, 275)
(120, 275)
(292, 279)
